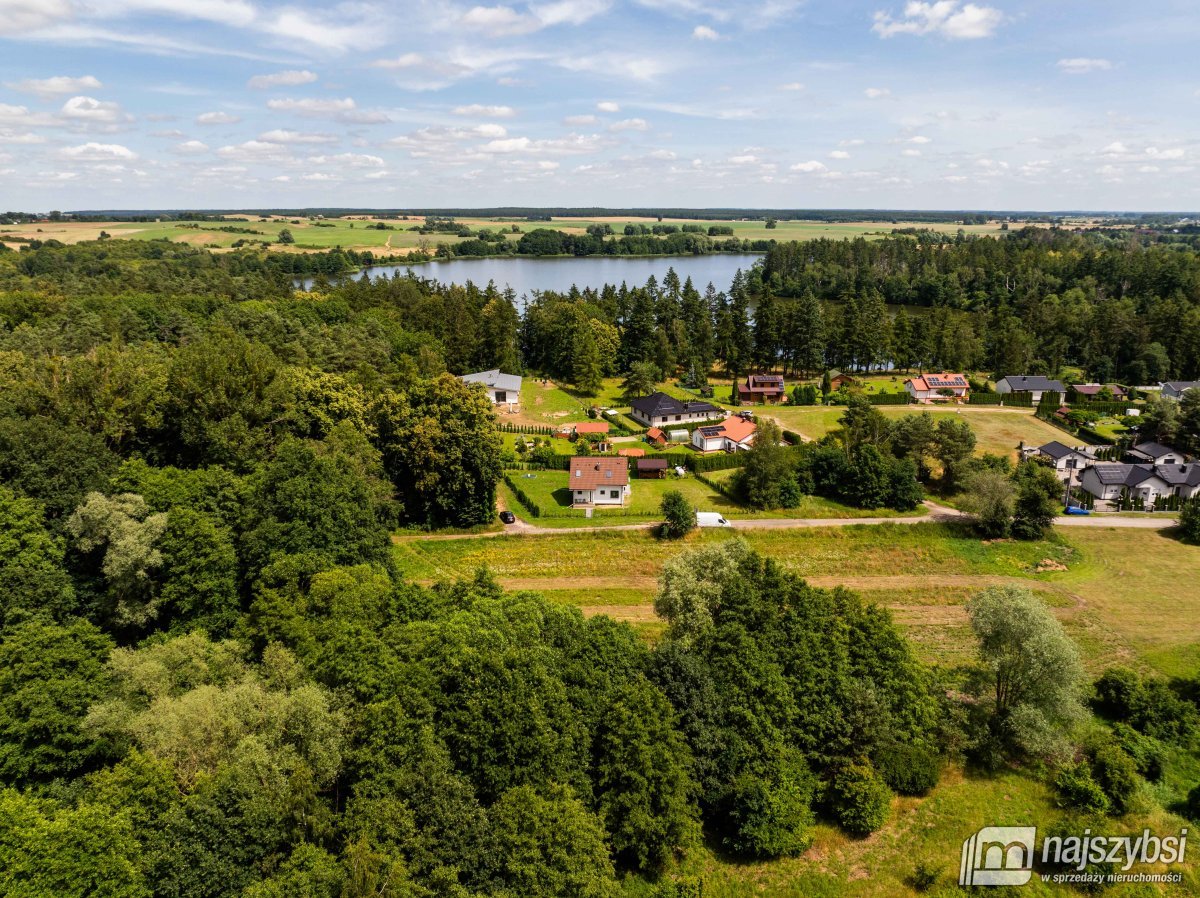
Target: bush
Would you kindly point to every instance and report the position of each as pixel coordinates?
(769, 812)
(1118, 692)
(1117, 775)
(1189, 523)
(860, 800)
(679, 517)
(1078, 790)
(908, 769)
(1191, 808)
(1146, 751)
(924, 876)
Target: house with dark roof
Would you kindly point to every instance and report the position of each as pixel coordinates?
(1030, 384)
(1092, 391)
(766, 388)
(944, 387)
(1108, 481)
(734, 434)
(598, 481)
(502, 389)
(1174, 389)
(659, 409)
(1066, 459)
(1155, 454)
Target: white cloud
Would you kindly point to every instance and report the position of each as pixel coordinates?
(1081, 65)
(876, 93)
(920, 139)
(910, 153)
(942, 17)
(579, 120)
(704, 33)
(349, 160)
(630, 124)
(791, 85)
(91, 110)
(1156, 153)
(851, 142)
(26, 15)
(336, 33)
(189, 147)
(663, 155)
(839, 154)
(1116, 148)
(16, 137)
(312, 105)
(97, 152)
(290, 78)
(59, 85)
(573, 143)
(283, 135)
(744, 159)
(216, 118)
(608, 106)
(253, 151)
(498, 21)
(570, 12)
(479, 110)
(809, 167)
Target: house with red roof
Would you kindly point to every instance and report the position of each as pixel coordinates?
(943, 387)
(734, 434)
(598, 481)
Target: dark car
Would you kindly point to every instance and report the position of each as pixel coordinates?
(507, 517)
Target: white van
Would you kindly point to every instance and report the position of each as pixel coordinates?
(711, 519)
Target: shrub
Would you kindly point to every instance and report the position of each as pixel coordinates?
(924, 876)
(1118, 692)
(1078, 790)
(1117, 775)
(679, 517)
(1191, 808)
(1146, 751)
(770, 812)
(908, 769)
(1189, 523)
(860, 800)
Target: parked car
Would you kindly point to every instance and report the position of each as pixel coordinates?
(711, 519)
(1075, 509)
(507, 517)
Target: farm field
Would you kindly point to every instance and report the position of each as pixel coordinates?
(351, 233)
(1120, 595)
(997, 430)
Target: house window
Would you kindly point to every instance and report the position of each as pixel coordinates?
(501, 396)
(678, 417)
(615, 494)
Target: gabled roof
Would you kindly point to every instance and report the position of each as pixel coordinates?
(651, 464)
(1056, 450)
(1150, 449)
(738, 429)
(1026, 383)
(590, 473)
(1094, 389)
(592, 427)
(1134, 475)
(943, 381)
(495, 379)
(657, 405)
(1180, 386)
(762, 383)
(631, 453)
(656, 434)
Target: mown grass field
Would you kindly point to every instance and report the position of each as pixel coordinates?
(354, 233)
(997, 430)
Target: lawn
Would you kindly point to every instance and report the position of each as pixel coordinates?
(997, 430)
(549, 489)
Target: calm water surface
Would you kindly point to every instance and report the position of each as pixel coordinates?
(525, 275)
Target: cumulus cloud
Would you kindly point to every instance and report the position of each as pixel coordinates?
(284, 135)
(792, 85)
(312, 105)
(217, 118)
(91, 110)
(479, 110)
(349, 160)
(629, 124)
(946, 18)
(910, 153)
(809, 167)
(290, 78)
(579, 120)
(98, 152)
(189, 147)
(59, 85)
(608, 106)
(839, 154)
(1081, 65)
(253, 151)
(876, 93)
(704, 33)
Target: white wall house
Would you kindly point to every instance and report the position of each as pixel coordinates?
(944, 387)
(1145, 482)
(734, 434)
(503, 389)
(661, 410)
(1030, 384)
(1067, 460)
(1174, 389)
(599, 481)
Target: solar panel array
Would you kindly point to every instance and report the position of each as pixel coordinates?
(936, 381)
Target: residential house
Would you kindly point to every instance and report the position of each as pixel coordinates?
(598, 481)
(1091, 392)
(503, 389)
(1027, 384)
(1108, 481)
(766, 388)
(652, 467)
(661, 409)
(1174, 389)
(734, 434)
(944, 387)
(838, 379)
(1155, 454)
(656, 437)
(583, 428)
(1067, 460)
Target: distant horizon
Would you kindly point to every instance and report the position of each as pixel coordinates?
(649, 211)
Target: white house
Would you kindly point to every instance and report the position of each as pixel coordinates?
(502, 389)
(1174, 389)
(734, 434)
(1107, 481)
(1035, 385)
(599, 481)
(944, 387)
(659, 409)
(1066, 459)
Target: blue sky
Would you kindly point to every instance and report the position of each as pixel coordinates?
(997, 104)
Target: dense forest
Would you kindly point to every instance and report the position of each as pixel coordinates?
(214, 683)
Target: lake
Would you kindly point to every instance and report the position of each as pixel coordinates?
(526, 274)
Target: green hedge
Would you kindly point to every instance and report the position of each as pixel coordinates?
(985, 398)
(889, 398)
(528, 504)
(723, 462)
